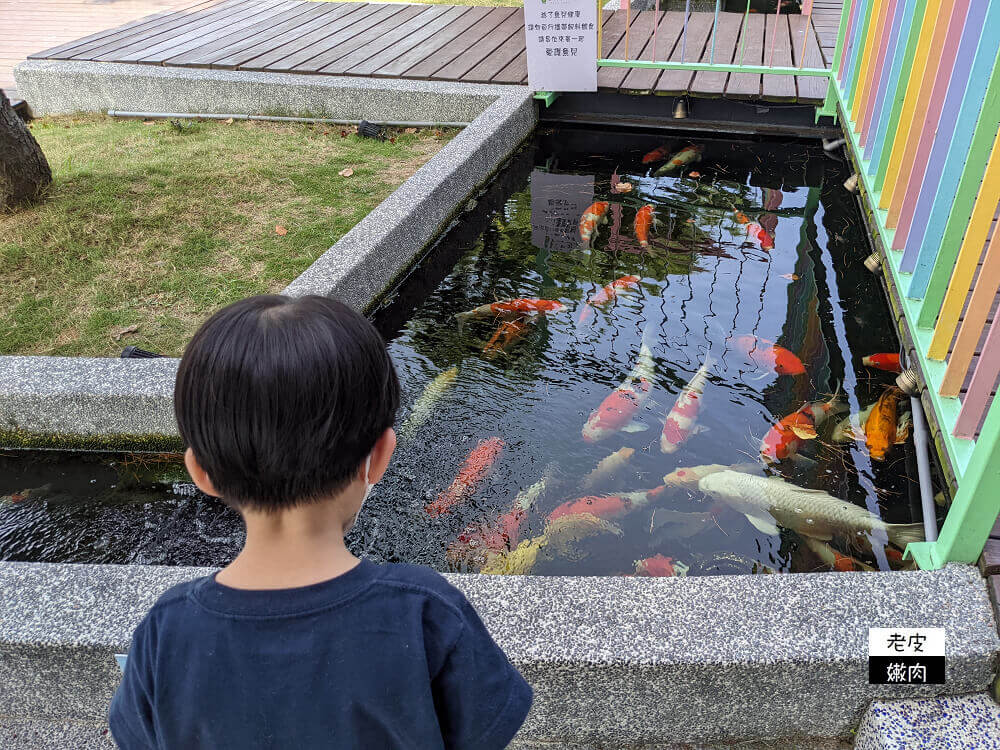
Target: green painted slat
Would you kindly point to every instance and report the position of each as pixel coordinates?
(733, 68)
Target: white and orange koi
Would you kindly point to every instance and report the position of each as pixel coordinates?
(681, 421)
(687, 155)
(617, 410)
(609, 293)
(594, 215)
(645, 220)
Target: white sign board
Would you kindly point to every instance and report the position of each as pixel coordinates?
(557, 203)
(561, 36)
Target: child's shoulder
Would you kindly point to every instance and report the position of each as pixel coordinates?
(176, 596)
(423, 581)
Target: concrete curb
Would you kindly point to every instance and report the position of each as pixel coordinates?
(968, 722)
(66, 86)
(109, 404)
(617, 662)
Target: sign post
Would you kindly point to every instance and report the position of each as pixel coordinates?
(561, 38)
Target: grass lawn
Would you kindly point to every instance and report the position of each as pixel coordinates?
(150, 227)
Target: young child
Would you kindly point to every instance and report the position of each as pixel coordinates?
(287, 407)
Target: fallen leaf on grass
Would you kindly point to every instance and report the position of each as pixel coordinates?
(346, 172)
(790, 276)
(343, 133)
(280, 230)
(228, 121)
(124, 331)
(149, 122)
(410, 130)
(392, 140)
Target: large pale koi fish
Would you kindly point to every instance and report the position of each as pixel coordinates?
(424, 405)
(616, 412)
(770, 502)
(680, 422)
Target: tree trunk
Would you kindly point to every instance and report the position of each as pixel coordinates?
(24, 172)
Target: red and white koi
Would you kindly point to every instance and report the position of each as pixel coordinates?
(785, 438)
(594, 215)
(608, 506)
(687, 155)
(608, 293)
(682, 418)
(617, 410)
(475, 469)
(657, 154)
(645, 219)
(659, 566)
(760, 236)
(767, 355)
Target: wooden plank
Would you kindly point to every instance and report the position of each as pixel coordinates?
(779, 88)
(343, 40)
(434, 43)
(393, 48)
(990, 561)
(286, 39)
(475, 54)
(640, 42)
(467, 40)
(319, 40)
(699, 30)
(515, 72)
(747, 85)
(726, 37)
(613, 38)
(146, 49)
(147, 22)
(643, 80)
(203, 55)
(811, 88)
(501, 57)
(995, 533)
(383, 36)
(165, 26)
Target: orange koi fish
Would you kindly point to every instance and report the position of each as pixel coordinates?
(884, 361)
(742, 218)
(760, 236)
(608, 293)
(835, 559)
(508, 334)
(618, 409)
(475, 469)
(784, 439)
(644, 220)
(657, 154)
(595, 215)
(511, 308)
(880, 427)
(680, 422)
(607, 506)
(766, 355)
(687, 155)
(659, 566)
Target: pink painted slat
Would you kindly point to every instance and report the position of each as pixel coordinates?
(807, 8)
(877, 82)
(977, 398)
(851, 20)
(915, 163)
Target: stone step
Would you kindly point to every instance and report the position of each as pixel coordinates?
(966, 722)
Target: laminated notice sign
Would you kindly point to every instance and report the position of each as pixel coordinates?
(561, 37)
(557, 202)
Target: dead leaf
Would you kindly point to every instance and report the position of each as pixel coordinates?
(280, 230)
(228, 121)
(326, 132)
(149, 122)
(790, 276)
(343, 133)
(392, 140)
(438, 133)
(410, 130)
(123, 331)
(346, 172)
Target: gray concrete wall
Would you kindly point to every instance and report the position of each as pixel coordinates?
(102, 403)
(615, 662)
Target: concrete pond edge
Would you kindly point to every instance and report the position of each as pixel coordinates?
(101, 403)
(614, 661)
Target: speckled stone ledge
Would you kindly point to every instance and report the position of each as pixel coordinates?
(112, 404)
(615, 662)
(65, 86)
(968, 722)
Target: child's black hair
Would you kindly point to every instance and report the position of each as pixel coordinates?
(281, 399)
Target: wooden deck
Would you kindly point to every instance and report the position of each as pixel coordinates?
(451, 43)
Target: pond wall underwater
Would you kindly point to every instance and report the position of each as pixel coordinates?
(615, 662)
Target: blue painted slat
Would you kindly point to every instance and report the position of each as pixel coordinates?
(854, 46)
(890, 70)
(896, 88)
(972, 56)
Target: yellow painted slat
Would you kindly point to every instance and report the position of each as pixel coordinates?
(968, 256)
(975, 320)
(867, 59)
(868, 81)
(914, 90)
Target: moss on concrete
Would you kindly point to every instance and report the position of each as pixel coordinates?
(17, 439)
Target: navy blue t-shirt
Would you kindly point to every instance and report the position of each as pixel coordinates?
(381, 657)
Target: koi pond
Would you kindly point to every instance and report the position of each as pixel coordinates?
(633, 354)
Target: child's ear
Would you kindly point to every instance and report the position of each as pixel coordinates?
(198, 475)
(381, 454)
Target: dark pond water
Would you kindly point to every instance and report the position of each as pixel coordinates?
(755, 244)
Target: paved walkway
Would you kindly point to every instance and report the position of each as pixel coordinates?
(27, 26)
